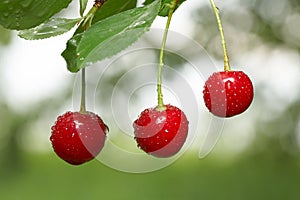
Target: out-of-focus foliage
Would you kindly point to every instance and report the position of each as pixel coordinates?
(279, 136)
(15, 127)
(5, 36)
(249, 23)
(189, 178)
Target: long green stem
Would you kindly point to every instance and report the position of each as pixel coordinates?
(82, 103)
(87, 23)
(226, 60)
(161, 105)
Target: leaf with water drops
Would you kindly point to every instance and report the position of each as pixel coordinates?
(52, 27)
(83, 4)
(70, 53)
(25, 14)
(109, 36)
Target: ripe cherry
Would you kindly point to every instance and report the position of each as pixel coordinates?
(228, 93)
(161, 133)
(78, 137)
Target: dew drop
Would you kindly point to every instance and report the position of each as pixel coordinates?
(5, 14)
(137, 24)
(160, 119)
(18, 11)
(25, 4)
(77, 124)
(17, 24)
(41, 13)
(88, 63)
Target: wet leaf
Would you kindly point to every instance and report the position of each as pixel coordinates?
(109, 36)
(52, 27)
(25, 14)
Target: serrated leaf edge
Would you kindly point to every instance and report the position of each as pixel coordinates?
(86, 64)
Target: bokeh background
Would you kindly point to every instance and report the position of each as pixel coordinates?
(256, 157)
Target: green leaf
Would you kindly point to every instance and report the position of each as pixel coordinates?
(25, 14)
(83, 4)
(109, 36)
(164, 10)
(70, 54)
(109, 8)
(52, 27)
(112, 7)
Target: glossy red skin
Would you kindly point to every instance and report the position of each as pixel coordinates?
(161, 133)
(228, 93)
(77, 138)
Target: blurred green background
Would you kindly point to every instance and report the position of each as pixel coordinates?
(257, 156)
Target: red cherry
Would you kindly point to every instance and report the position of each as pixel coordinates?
(161, 133)
(228, 93)
(77, 138)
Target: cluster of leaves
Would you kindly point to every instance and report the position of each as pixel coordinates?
(114, 27)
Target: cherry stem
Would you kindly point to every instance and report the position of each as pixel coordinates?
(226, 59)
(161, 105)
(87, 23)
(82, 103)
